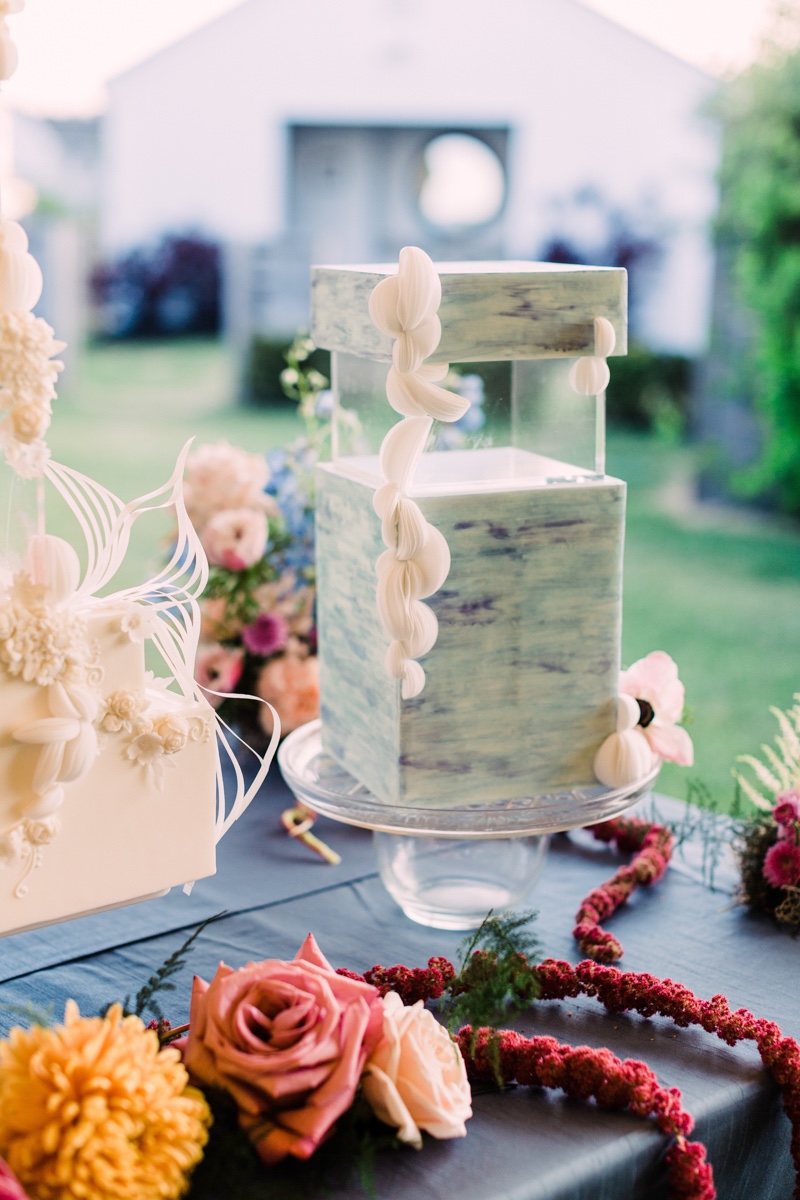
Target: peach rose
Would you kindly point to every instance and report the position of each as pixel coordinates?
(218, 669)
(291, 684)
(415, 1078)
(288, 1041)
(224, 477)
(235, 539)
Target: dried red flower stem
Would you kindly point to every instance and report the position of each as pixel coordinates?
(621, 991)
(584, 1073)
(651, 846)
(629, 991)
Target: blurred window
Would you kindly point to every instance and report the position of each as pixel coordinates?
(464, 183)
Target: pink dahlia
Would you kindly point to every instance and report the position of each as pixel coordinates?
(787, 807)
(267, 635)
(782, 864)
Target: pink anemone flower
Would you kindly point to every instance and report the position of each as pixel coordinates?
(655, 681)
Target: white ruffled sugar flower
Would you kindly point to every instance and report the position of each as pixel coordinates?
(28, 370)
(138, 622)
(174, 733)
(45, 645)
(121, 710)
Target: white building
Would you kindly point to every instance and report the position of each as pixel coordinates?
(305, 128)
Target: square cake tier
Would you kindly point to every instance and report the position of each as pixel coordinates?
(521, 684)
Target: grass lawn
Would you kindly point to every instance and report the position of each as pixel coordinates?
(719, 592)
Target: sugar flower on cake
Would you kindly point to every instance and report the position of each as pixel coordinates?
(93, 1108)
(288, 1041)
(223, 477)
(415, 1079)
(649, 707)
(120, 711)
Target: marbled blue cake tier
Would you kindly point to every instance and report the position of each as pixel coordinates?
(521, 684)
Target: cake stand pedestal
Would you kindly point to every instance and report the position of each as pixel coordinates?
(448, 867)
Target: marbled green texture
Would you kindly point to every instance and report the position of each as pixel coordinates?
(489, 311)
(522, 681)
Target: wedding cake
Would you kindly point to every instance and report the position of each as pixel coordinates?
(470, 598)
(111, 781)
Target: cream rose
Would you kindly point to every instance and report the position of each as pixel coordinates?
(415, 1078)
(174, 733)
(235, 538)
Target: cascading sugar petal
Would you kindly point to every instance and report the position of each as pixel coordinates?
(412, 395)
(402, 449)
(624, 758)
(419, 290)
(417, 559)
(413, 680)
(605, 339)
(589, 376)
(415, 345)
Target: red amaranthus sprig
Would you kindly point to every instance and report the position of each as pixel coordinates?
(619, 991)
(651, 846)
(584, 1073)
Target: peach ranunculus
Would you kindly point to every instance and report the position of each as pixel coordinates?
(288, 1041)
(235, 538)
(291, 685)
(415, 1079)
(221, 477)
(655, 681)
(219, 669)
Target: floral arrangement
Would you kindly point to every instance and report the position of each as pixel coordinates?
(284, 1062)
(255, 518)
(768, 844)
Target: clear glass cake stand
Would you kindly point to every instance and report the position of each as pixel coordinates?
(448, 867)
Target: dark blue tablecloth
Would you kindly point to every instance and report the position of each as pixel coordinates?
(521, 1144)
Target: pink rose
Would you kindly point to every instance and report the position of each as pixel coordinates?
(235, 539)
(654, 679)
(291, 684)
(787, 808)
(10, 1186)
(224, 477)
(288, 1041)
(219, 669)
(415, 1078)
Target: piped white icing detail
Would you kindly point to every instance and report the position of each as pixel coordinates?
(417, 558)
(625, 756)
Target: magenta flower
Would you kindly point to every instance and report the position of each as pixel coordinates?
(267, 635)
(10, 1187)
(787, 807)
(782, 864)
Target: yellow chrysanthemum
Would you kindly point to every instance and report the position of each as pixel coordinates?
(93, 1110)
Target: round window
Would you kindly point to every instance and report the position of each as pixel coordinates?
(464, 182)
